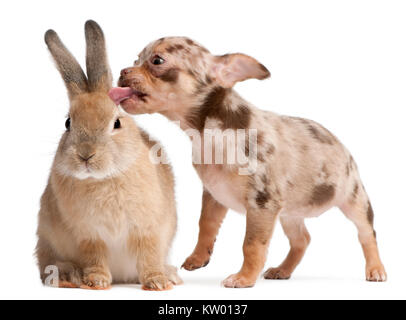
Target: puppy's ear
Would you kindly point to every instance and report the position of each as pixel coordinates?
(70, 70)
(97, 65)
(232, 68)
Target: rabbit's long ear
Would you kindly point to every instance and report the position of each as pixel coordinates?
(70, 70)
(97, 65)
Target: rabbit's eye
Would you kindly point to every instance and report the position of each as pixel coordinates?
(67, 124)
(117, 124)
(157, 60)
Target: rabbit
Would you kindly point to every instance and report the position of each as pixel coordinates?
(108, 213)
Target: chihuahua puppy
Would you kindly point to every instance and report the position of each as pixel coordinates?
(298, 170)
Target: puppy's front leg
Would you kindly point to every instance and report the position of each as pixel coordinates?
(260, 226)
(96, 274)
(212, 216)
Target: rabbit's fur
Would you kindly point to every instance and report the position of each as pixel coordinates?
(108, 213)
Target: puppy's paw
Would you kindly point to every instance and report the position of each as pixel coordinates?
(96, 281)
(376, 274)
(196, 261)
(277, 274)
(238, 281)
(157, 282)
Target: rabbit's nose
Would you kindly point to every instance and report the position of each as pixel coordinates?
(126, 71)
(86, 157)
(85, 151)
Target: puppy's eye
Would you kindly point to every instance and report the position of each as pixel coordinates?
(157, 60)
(67, 124)
(117, 124)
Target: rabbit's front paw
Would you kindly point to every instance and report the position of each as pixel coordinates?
(97, 280)
(157, 282)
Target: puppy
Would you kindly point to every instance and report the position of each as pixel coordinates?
(298, 170)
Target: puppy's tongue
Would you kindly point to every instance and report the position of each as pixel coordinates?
(120, 94)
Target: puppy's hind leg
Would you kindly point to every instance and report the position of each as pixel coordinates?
(359, 210)
(299, 239)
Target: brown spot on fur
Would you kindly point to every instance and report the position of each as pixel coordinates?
(200, 86)
(237, 119)
(247, 147)
(304, 148)
(355, 191)
(279, 129)
(262, 198)
(213, 101)
(170, 76)
(322, 194)
(318, 135)
(318, 132)
(170, 49)
(352, 163)
(260, 137)
(264, 179)
(370, 214)
(209, 80)
(194, 44)
(174, 48)
(214, 106)
(271, 149)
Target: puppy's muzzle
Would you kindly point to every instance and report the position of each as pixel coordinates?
(126, 71)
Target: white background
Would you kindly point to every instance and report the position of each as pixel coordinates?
(341, 63)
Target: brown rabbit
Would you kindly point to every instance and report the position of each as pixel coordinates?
(108, 213)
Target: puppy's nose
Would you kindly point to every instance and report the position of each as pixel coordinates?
(126, 71)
